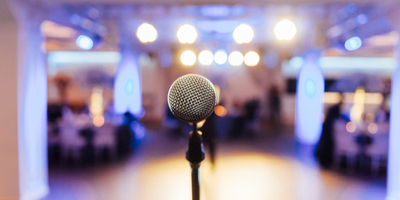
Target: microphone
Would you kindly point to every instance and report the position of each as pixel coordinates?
(192, 98)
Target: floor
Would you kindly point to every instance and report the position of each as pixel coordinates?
(272, 167)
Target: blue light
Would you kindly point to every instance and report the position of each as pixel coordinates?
(353, 43)
(296, 62)
(362, 19)
(393, 178)
(129, 87)
(75, 19)
(309, 100)
(84, 42)
(352, 8)
(311, 88)
(215, 11)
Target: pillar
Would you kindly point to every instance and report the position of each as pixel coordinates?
(9, 181)
(393, 171)
(23, 144)
(309, 100)
(127, 82)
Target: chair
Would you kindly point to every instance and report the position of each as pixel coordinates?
(105, 139)
(344, 144)
(378, 150)
(70, 140)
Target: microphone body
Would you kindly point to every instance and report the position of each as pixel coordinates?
(192, 98)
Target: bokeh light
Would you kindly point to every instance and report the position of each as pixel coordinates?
(146, 33)
(206, 57)
(353, 43)
(188, 58)
(220, 57)
(186, 34)
(351, 127)
(251, 58)
(285, 30)
(220, 111)
(243, 34)
(84, 42)
(218, 91)
(200, 123)
(96, 102)
(372, 128)
(235, 58)
(98, 120)
(311, 88)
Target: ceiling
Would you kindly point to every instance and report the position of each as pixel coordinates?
(204, 2)
(317, 19)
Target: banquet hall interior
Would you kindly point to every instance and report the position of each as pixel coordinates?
(307, 99)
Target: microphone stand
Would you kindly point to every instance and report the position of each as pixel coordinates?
(195, 154)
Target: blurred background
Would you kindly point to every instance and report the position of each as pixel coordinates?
(304, 98)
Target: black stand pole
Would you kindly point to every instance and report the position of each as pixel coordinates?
(195, 154)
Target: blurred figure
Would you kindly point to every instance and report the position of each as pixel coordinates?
(125, 136)
(274, 104)
(62, 82)
(209, 131)
(325, 147)
(252, 121)
(238, 120)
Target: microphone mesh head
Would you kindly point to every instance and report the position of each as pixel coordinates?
(192, 98)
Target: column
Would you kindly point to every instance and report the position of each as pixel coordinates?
(127, 83)
(24, 92)
(309, 100)
(393, 171)
(9, 182)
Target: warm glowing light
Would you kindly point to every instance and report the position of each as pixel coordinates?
(218, 91)
(373, 98)
(351, 127)
(285, 30)
(220, 57)
(206, 57)
(251, 58)
(146, 33)
(332, 97)
(96, 102)
(358, 108)
(372, 128)
(235, 58)
(186, 34)
(370, 98)
(243, 34)
(188, 58)
(220, 111)
(84, 42)
(98, 120)
(200, 123)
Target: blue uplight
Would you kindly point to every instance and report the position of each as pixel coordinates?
(352, 8)
(215, 11)
(353, 43)
(84, 42)
(129, 87)
(311, 88)
(362, 19)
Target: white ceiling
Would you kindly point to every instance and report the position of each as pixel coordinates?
(204, 2)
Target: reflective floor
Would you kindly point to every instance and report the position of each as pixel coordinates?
(274, 167)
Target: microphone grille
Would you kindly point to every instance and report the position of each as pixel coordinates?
(192, 98)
